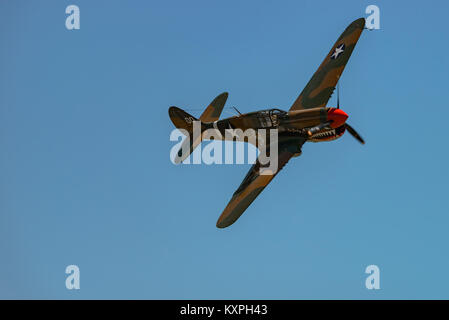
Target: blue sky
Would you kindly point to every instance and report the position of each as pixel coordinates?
(85, 175)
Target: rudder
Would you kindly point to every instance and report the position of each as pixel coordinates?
(213, 111)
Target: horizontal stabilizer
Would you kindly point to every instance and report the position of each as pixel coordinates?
(183, 120)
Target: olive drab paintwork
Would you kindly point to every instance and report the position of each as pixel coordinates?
(307, 120)
(213, 111)
(320, 87)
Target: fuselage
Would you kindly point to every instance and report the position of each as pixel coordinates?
(330, 121)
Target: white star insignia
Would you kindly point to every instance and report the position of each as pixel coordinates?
(338, 51)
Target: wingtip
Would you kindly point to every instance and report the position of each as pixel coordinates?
(223, 223)
(359, 23)
(220, 226)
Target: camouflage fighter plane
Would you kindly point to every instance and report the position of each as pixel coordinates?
(308, 119)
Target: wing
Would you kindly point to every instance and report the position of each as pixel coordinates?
(320, 87)
(254, 183)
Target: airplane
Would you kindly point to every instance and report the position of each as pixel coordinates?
(308, 119)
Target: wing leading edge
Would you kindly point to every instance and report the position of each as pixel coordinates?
(253, 184)
(319, 89)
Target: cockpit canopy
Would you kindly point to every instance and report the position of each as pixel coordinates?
(273, 111)
(276, 111)
(270, 117)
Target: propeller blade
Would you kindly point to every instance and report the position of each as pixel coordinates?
(338, 95)
(354, 133)
(347, 126)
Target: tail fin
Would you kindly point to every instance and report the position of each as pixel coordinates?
(213, 111)
(183, 120)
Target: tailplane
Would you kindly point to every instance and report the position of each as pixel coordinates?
(181, 119)
(185, 121)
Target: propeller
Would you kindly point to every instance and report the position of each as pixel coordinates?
(338, 95)
(350, 129)
(354, 133)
